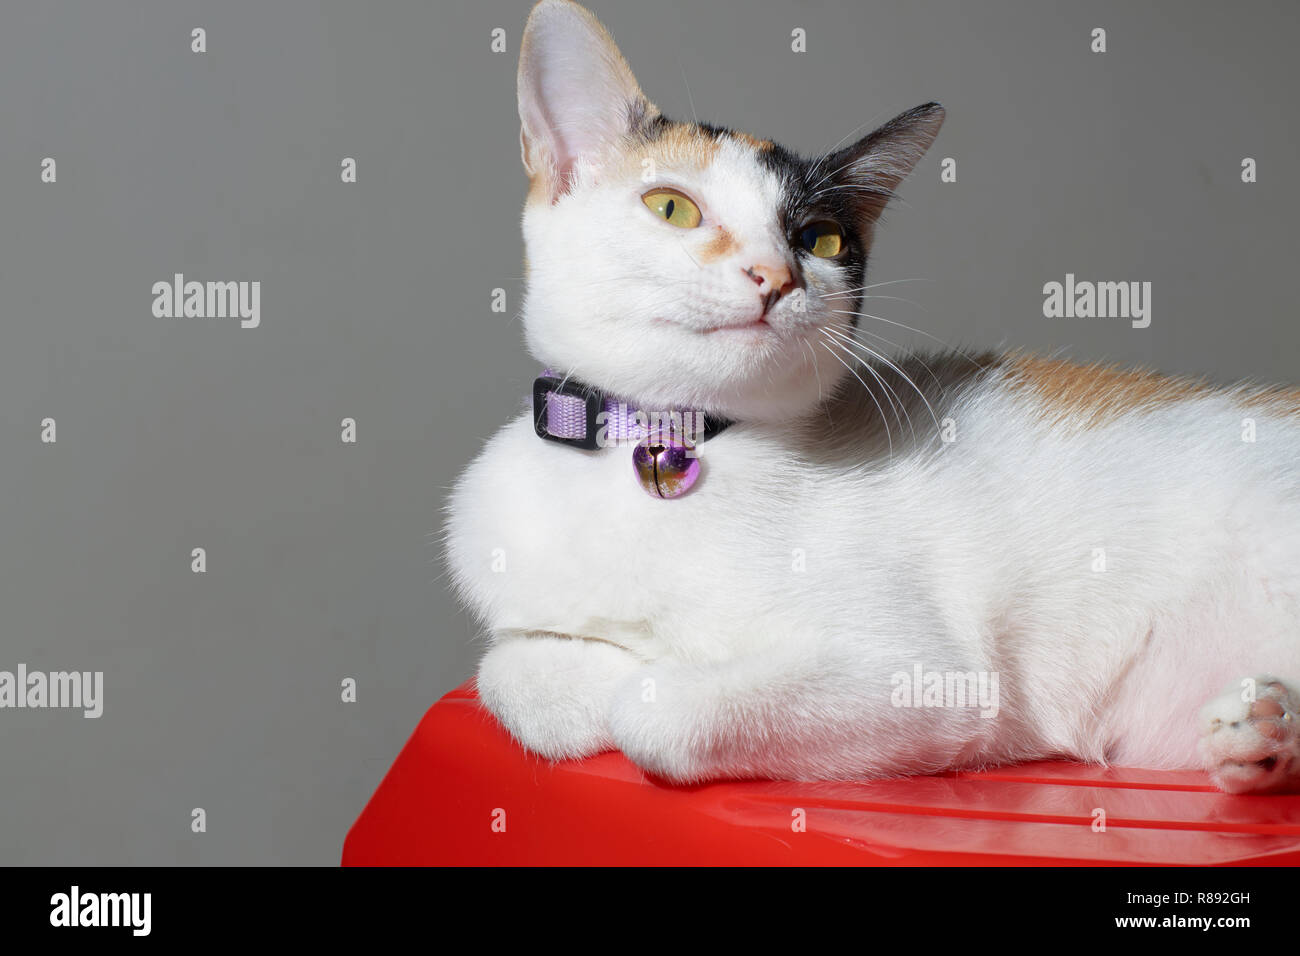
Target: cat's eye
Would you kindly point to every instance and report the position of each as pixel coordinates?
(825, 239)
(673, 207)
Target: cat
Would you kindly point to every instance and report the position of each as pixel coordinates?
(863, 541)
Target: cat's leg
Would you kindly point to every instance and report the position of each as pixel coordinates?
(553, 692)
(1249, 740)
(788, 716)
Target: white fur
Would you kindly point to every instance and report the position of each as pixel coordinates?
(753, 626)
(980, 559)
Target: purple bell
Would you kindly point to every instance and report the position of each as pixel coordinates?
(665, 466)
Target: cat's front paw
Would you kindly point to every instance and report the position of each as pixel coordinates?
(553, 693)
(1249, 741)
(664, 724)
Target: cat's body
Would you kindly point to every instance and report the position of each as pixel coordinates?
(1103, 548)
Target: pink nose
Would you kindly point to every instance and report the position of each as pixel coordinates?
(773, 281)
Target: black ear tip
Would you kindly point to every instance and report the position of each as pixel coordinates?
(929, 115)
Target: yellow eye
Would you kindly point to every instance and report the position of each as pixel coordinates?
(825, 240)
(673, 207)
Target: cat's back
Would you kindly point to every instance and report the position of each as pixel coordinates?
(1025, 463)
(920, 403)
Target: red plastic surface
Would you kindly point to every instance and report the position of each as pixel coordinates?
(461, 777)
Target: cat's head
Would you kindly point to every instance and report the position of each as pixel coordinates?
(680, 264)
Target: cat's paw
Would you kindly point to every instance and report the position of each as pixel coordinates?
(667, 725)
(553, 693)
(1249, 741)
(659, 740)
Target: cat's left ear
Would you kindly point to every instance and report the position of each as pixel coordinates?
(577, 96)
(873, 167)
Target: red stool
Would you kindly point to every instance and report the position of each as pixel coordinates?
(462, 792)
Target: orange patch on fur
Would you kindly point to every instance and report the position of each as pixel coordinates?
(682, 144)
(720, 245)
(1090, 395)
(539, 189)
(1282, 399)
(753, 141)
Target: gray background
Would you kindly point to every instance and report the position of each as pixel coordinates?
(222, 689)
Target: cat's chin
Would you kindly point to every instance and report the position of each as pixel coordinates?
(747, 368)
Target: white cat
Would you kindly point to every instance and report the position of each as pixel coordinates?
(884, 566)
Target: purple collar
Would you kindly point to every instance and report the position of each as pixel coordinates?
(574, 413)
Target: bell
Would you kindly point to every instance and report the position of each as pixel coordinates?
(665, 466)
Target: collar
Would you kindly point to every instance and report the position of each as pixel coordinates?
(571, 412)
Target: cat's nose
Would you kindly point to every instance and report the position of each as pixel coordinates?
(773, 281)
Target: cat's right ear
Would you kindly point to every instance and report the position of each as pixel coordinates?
(577, 96)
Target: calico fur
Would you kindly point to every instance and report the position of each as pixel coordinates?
(1101, 540)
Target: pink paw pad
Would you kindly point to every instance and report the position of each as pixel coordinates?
(1249, 742)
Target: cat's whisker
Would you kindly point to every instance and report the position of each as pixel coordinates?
(864, 187)
(891, 396)
(888, 195)
(865, 357)
(903, 375)
(853, 330)
(682, 245)
(832, 173)
(895, 401)
(690, 99)
(906, 378)
(892, 298)
(868, 315)
(812, 357)
(912, 353)
(873, 285)
(883, 420)
(617, 278)
(565, 380)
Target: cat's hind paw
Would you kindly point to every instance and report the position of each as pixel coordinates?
(1250, 742)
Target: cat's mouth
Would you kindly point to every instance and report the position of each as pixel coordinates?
(753, 325)
(751, 328)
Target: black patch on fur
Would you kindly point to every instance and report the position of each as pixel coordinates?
(641, 126)
(810, 196)
(802, 181)
(836, 187)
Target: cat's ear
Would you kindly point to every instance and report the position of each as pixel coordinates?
(872, 168)
(577, 96)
